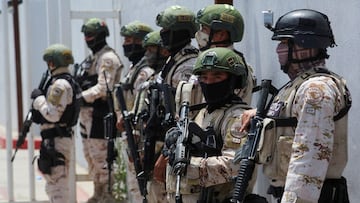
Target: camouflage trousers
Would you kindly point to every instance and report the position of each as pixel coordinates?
(57, 183)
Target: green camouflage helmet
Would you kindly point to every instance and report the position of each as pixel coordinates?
(221, 59)
(223, 16)
(135, 29)
(95, 26)
(59, 54)
(152, 39)
(177, 18)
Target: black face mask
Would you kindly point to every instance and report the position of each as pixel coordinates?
(134, 52)
(97, 43)
(155, 60)
(217, 93)
(175, 40)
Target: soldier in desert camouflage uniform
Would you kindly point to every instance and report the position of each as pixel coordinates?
(139, 72)
(310, 115)
(210, 171)
(101, 70)
(55, 109)
(178, 27)
(221, 25)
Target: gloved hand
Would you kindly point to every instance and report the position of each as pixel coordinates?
(35, 93)
(80, 99)
(170, 143)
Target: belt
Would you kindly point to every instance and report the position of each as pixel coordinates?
(56, 132)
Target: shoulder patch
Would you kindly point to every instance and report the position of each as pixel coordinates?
(313, 95)
(55, 95)
(108, 63)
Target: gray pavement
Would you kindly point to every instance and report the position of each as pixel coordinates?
(22, 177)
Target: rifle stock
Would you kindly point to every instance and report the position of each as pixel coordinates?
(247, 163)
(131, 142)
(28, 119)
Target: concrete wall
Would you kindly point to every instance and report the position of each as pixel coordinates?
(259, 50)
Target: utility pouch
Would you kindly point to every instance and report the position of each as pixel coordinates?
(334, 191)
(267, 141)
(49, 157)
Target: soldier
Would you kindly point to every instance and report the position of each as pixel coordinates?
(221, 25)
(311, 140)
(178, 27)
(138, 73)
(139, 70)
(156, 54)
(100, 71)
(56, 110)
(156, 57)
(210, 170)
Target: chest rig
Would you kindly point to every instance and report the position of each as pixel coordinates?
(282, 124)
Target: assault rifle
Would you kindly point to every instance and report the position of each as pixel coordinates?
(153, 127)
(182, 155)
(82, 76)
(248, 153)
(110, 134)
(45, 79)
(131, 142)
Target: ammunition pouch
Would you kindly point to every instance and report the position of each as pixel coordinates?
(49, 157)
(334, 191)
(101, 108)
(254, 198)
(267, 141)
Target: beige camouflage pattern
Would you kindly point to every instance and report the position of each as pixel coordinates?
(317, 148)
(52, 107)
(57, 184)
(182, 71)
(58, 96)
(107, 65)
(246, 93)
(143, 75)
(215, 172)
(130, 96)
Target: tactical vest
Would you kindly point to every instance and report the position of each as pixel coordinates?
(216, 121)
(71, 113)
(131, 77)
(277, 136)
(129, 83)
(179, 58)
(86, 74)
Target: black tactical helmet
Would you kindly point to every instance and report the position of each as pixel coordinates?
(308, 29)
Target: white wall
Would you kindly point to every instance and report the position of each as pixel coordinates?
(256, 45)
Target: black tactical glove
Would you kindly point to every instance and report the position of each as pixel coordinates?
(35, 93)
(80, 100)
(170, 144)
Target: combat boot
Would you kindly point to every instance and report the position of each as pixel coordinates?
(98, 193)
